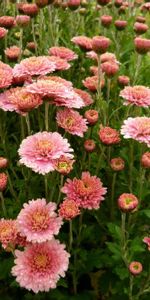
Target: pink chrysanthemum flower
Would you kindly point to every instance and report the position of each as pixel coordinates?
(109, 136)
(59, 93)
(57, 79)
(91, 83)
(34, 66)
(86, 97)
(7, 21)
(145, 160)
(8, 232)
(3, 181)
(60, 63)
(69, 209)
(146, 240)
(127, 202)
(3, 32)
(3, 162)
(71, 121)
(40, 151)
(64, 165)
(138, 95)
(84, 42)
(87, 192)
(135, 268)
(6, 75)
(92, 55)
(117, 164)
(13, 53)
(19, 100)
(39, 266)
(63, 52)
(38, 222)
(138, 129)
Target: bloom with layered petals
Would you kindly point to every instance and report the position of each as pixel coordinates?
(3, 32)
(135, 268)
(38, 221)
(145, 160)
(109, 136)
(137, 129)
(87, 192)
(61, 64)
(40, 151)
(61, 94)
(68, 209)
(138, 95)
(39, 266)
(91, 83)
(13, 53)
(86, 97)
(34, 66)
(84, 42)
(64, 165)
(71, 121)
(8, 232)
(6, 75)
(127, 202)
(19, 100)
(63, 52)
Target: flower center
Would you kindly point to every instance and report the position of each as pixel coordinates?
(70, 122)
(128, 201)
(44, 147)
(40, 261)
(39, 221)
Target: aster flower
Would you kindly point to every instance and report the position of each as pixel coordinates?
(92, 82)
(71, 121)
(59, 93)
(38, 222)
(86, 97)
(138, 129)
(109, 136)
(64, 165)
(138, 95)
(19, 100)
(40, 151)
(87, 192)
(63, 52)
(84, 42)
(13, 53)
(34, 66)
(68, 209)
(39, 266)
(146, 240)
(6, 75)
(145, 160)
(8, 232)
(60, 63)
(135, 268)
(127, 202)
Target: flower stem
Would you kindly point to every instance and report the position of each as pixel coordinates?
(131, 166)
(3, 204)
(28, 124)
(46, 116)
(112, 195)
(61, 184)
(131, 288)
(70, 235)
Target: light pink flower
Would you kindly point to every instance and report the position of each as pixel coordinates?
(63, 52)
(19, 100)
(8, 232)
(92, 55)
(86, 97)
(57, 79)
(138, 129)
(57, 92)
(40, 151)
(138, 95)
(38, 221)
(87, 192)
(34, 66)
(60, 63)
(84, 42)
(71, 121)
(39, 266)
(6, 75)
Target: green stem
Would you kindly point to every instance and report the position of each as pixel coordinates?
(123, 238)
(3, 204)
(22, 127)
(131, 288)
(46, 186)
(131, 166)
(46, 116)
(33, 33)
(99, 82)
(21, 43)
(138, 65)
(112, 195)
(11, 187)
(28, 124)
(61, 184)
(70, 235)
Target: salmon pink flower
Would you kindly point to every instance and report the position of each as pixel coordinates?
(61, 64)
(6, 75)
(91, 83)
(13, 53)
(138, 95)
(145, 160)
(127, 202)
(86, 97)
(7, 21)
(87, 192)
(38, 221)
(109, 136)
(84, 42)
(3, 181)
(3, 32)
(71, 121)
(117, 164)
(3, 162)
(68, 209)
(138, 129)
(146, 240)
(40, 151)
(39, 266)
(8, 232)
(135, 268)
(63, 52)
(64, 165)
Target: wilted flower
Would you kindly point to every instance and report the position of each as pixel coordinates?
(127, 202)
(41, 150)
(135, 267)
(138, 95)
(63, 52)
(68, 209)
(138, 129)
(109, 136)
(39, 266)
(71, 121)
(38, 221)
(87, 192)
